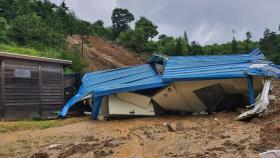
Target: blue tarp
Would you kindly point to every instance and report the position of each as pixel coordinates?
(103, 83)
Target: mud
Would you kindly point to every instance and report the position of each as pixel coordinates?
(203, 136)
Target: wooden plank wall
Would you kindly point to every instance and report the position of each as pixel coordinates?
(21, 94)
(36, 90)
(52, 92)
(1, 101)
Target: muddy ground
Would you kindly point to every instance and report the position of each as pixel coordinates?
(216, 135)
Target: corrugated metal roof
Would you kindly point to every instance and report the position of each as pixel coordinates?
(141, 77)
(108, 82)
(218, 66)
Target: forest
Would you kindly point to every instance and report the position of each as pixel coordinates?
(40, 27)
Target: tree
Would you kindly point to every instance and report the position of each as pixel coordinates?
(162, 36)
(84, 31)
(148, 27)
(248, 40)
(233, 45)
(3, 28)
(181, 46)
(270, 45)
(26, 29)
(133, 39)
(186, 38)
(196, 49)
(120, 19)
(99, 23)
(248, 35)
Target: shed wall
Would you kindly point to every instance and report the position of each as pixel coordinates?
(51, 89)
(21, 89)
(30, 89)
(1, 101)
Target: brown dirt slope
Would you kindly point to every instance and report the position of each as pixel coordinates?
(101, 55)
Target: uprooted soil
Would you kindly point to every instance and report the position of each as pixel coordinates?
(216, 135)
(102, 55)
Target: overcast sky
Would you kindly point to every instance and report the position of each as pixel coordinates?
(206, 21)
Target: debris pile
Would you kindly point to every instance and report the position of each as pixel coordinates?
(186, 84)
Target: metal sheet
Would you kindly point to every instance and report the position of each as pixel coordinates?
(104, 83)
(136, 99)
(218, 67)
(117, 106)
(180, 96)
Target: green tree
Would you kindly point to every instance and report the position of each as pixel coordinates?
(98, 29)
(234, 48)
(181, 46)
(270, 45)
(195, 48)
(26, 29)
(162, 36)
(186, 38)
(120, 19)
(167, 45)
(133, 39)
(248, 41)
(148, 27)
(84, 31)
(3, 29)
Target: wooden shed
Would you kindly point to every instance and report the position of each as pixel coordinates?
(30, 86)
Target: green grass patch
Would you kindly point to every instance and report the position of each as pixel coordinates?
(8, 127)
(77, 63)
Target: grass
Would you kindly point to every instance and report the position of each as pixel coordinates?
(77, 64)
(8, 127)
(12, 48)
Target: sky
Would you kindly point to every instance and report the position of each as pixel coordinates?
(205, 21)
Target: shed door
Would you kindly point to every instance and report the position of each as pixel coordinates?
(52, 89)
(21, 89)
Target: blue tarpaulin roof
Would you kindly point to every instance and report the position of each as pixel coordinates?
(141, 77)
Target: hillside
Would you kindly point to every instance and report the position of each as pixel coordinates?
(101, 55)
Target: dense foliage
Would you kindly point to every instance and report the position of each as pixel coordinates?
(44, 27)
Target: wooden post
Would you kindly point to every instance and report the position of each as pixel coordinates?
(40, 90)
(2, 112)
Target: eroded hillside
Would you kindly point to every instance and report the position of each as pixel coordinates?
(101, 55)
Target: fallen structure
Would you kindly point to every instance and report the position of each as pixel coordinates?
(193, 84)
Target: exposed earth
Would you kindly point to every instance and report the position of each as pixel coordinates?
(216, 135)
(100, 54)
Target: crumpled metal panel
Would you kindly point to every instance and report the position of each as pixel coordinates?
(218, 66)
(103, 83)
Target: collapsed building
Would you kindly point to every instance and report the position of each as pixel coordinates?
(189, 84)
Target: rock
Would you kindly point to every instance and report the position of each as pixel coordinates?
(40, 155)
(270, 154)
(180, 126)
(225, 136)
(171, 127)
(55, 146)
(278, 127)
